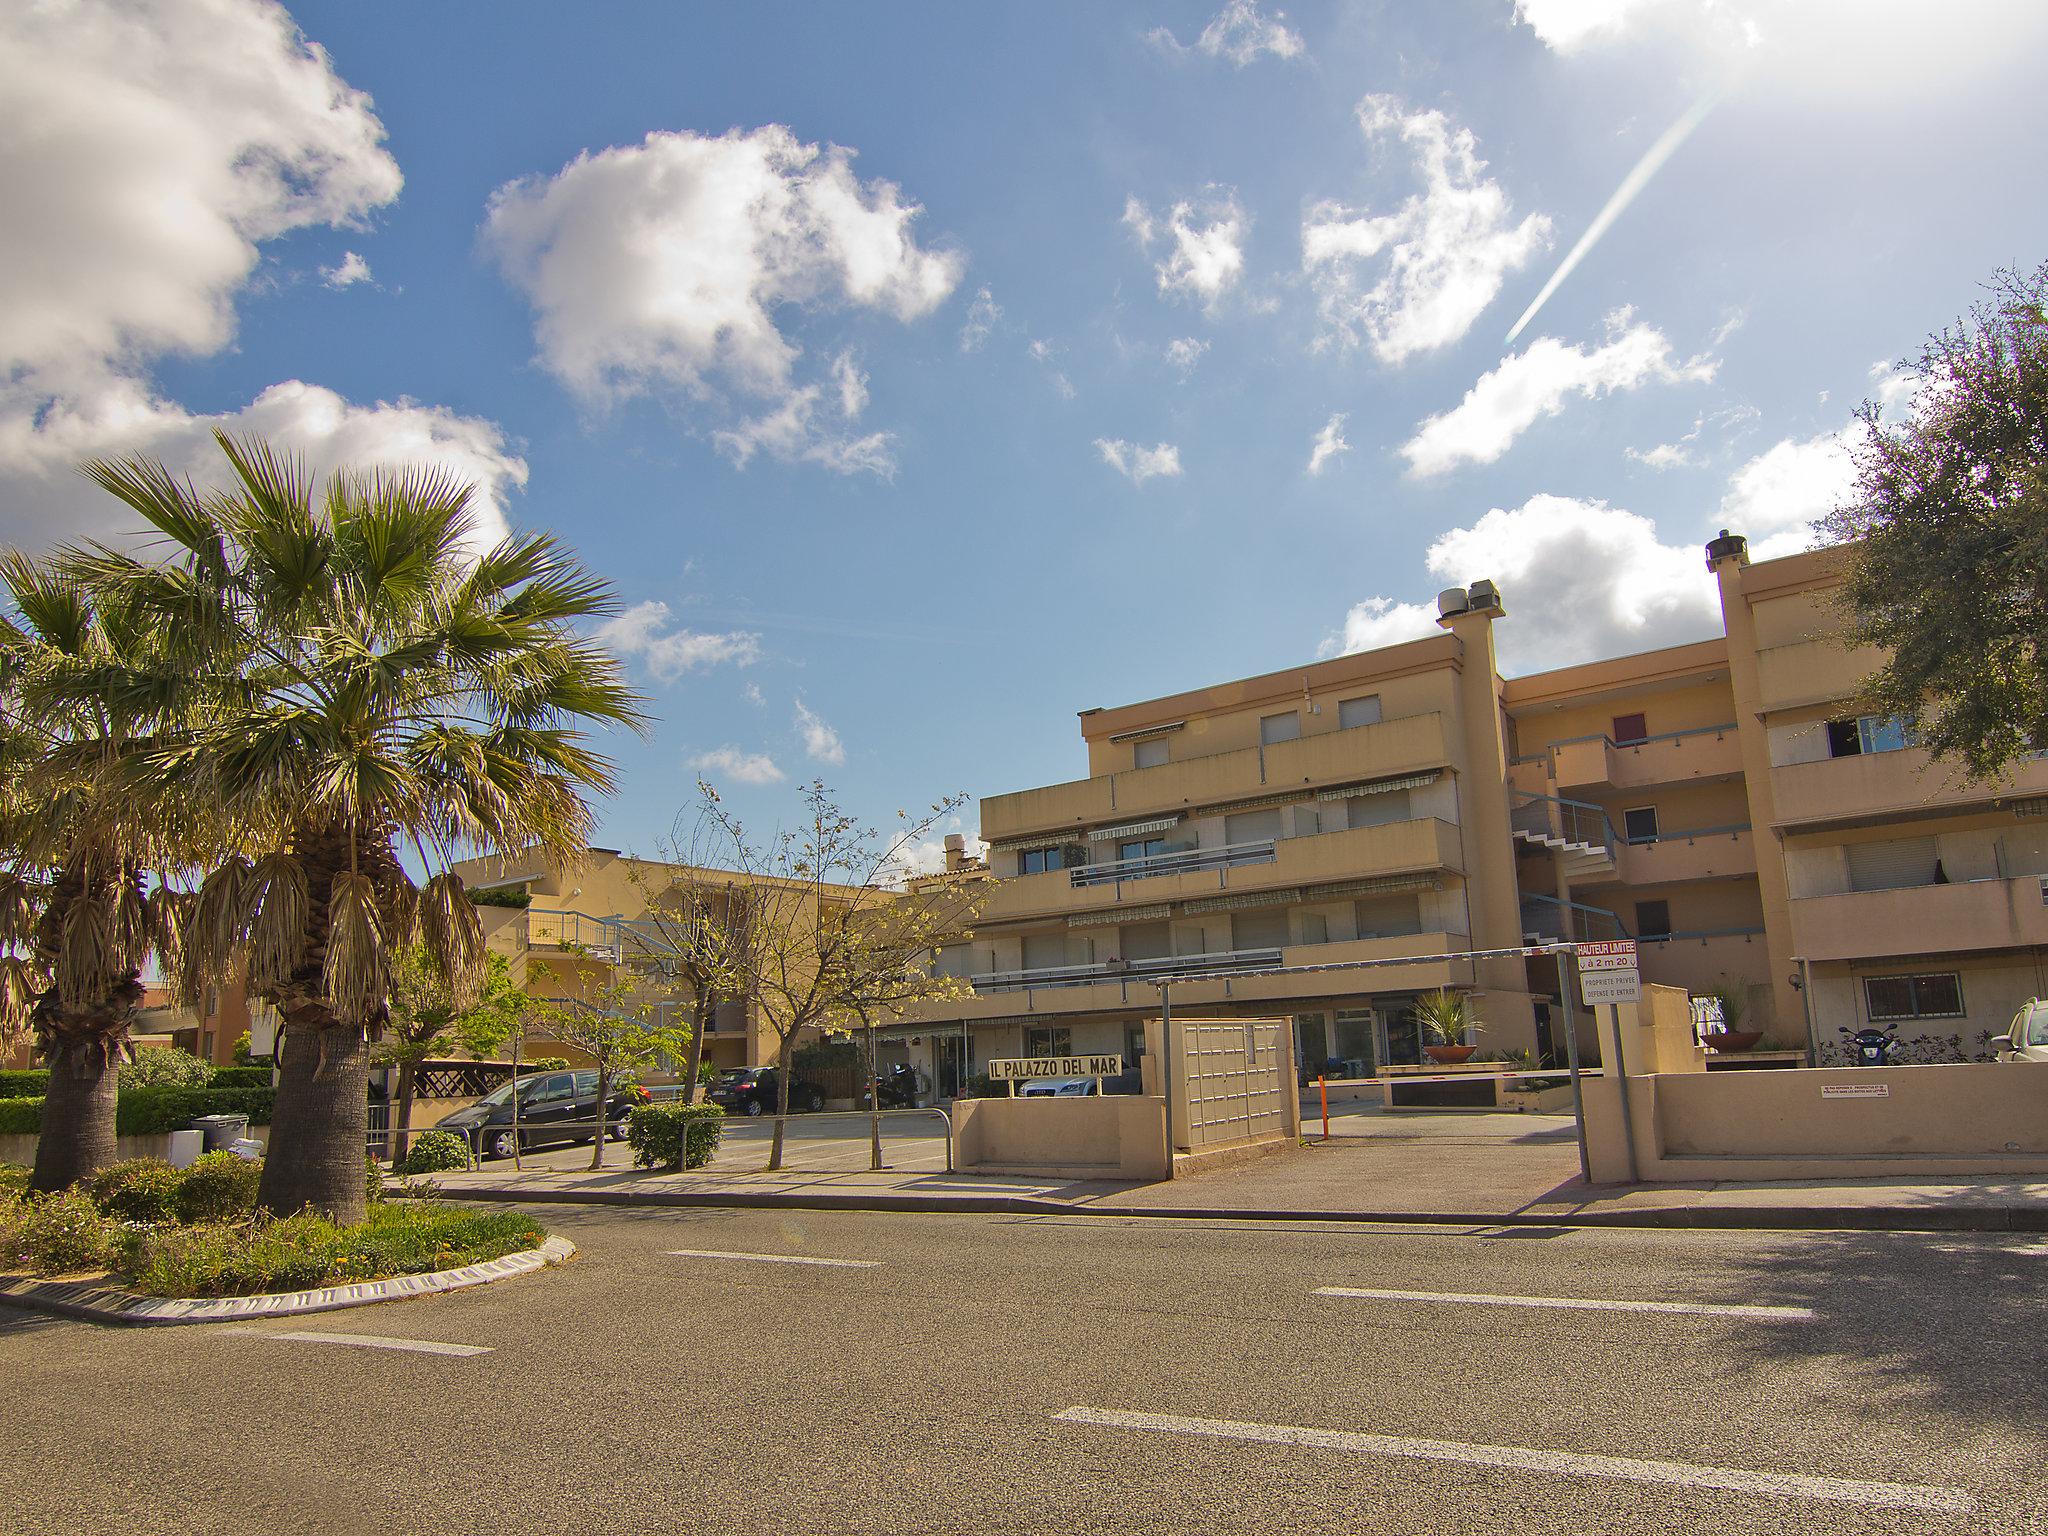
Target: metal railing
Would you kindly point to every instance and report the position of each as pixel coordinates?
(609, 938)
(1688, 835)
(1641, 741)
(1576, 821)
(1553, 918)
(1180, 862)
(1214, 963)
(1699, 935)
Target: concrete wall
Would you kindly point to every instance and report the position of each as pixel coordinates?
(1118, 1137)
(21, 1150)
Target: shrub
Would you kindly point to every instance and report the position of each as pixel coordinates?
(240, 1077)
(220, 1186)
(66, 1231)
(545, 1064)
(154, 1110)
(373, 1180)
(21, 1117)
(24, 1083)
(674, 1135)
(433, 1152)
(242, 1056)
(142, 1189)
(503, 896)
(171, 1068)
(13, 1181)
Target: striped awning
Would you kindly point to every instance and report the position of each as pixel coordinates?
(1150, 731)
(1132, 829)
(1240, 903)
(1261, 803)
(1120, 915)
(1382, 786)
(1378, 885)
(2033, 805)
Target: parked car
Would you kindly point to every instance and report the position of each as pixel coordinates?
(555, 1109)
(752, 1091)
(1057, 1088)
(2026, 1038)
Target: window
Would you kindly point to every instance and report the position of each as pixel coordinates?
(2037, 1026)
(1315, 928)
(1365, 711)
(1274, 728)
(1141, 848)
(1653, 919)
(1640, 825)
(1049, 1042)
(1149, 754)
(586, 1082)
(1630, 729)
(1251, 826)
(1039, 861)
(1871, 733)
(1265, 929)
(552, 1089)
(1938, 995)
(1377, 810)
(1134, 1044)
(1898, 864)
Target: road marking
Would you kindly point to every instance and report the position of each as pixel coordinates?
(773, 1258)
(365, 1341)
(1577, 1303)
(1838, 1490)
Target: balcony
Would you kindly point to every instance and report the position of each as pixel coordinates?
(1185, 861)
(1397, 847)
(1216, 963)
(1813, 672)
(1709, 853)
(1407, 745)
(1674, 757)
(1882, 786)
(1923, 920)
(1701, 959)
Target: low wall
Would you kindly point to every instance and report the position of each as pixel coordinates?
(1120, 1136)
(22, 1149)
(1827, 1122)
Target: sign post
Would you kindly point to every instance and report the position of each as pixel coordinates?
(1024, 1069)
(1608, 974)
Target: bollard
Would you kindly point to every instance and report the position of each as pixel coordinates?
(1323, 1088)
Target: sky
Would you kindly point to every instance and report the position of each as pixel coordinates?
(923, 375)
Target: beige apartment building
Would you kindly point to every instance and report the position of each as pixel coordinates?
(1722, 803)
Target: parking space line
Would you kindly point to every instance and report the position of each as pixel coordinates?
(773, 1258)
(1837, 1490)
(364, 1341)
(1577, 1303)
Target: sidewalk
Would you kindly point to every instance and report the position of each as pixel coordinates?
(1474, 1180)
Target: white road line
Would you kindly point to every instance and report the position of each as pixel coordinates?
(364, 1340)
(1578, 1303)
(773, 1258)
(1838, 1490)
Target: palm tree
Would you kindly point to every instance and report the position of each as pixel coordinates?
(379, 680)
(1447, 1016)
(79, 914)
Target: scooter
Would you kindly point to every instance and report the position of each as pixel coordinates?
(1871, 1047)
(897, 1090)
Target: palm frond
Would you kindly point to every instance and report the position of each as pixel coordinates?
(356, 981)
(453, 935)
(280, 905)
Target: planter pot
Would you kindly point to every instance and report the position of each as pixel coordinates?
(1730, 1041)
(1450, 1055)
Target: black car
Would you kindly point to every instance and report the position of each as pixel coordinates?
(555, 1108)
(754, 1091)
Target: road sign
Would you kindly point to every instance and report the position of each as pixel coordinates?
(1607, 972)
(1017, 1069)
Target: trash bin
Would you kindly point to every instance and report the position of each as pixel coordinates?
(221, 1131)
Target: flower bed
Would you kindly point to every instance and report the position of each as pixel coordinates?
(195, 1232)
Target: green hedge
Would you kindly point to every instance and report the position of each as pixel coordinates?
(24, 1083)
(152, 1111)
(240, 1077)
(674, 1135)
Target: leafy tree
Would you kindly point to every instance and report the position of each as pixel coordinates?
(615, 1017)
(424, 1021)
(373, 669)
(1949, 568)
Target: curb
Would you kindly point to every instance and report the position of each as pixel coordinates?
(1873, 1218)
(108, 1304)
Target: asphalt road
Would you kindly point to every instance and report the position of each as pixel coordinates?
(1205, 1387)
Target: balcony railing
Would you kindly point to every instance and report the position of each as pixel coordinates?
(1215, 963)
(1577, 821)
(1548, 917)
(1181, 862)
(606, 938)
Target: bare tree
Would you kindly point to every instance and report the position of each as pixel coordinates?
(616, 1017)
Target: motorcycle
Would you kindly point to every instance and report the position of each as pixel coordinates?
(895, 1090)
(1871, 1047)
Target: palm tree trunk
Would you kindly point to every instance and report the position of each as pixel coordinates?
(77, 1138)
(320, 1129)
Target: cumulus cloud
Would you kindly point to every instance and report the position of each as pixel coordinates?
(1536, 383)
(1240, 32)
(1447, 249)
(927, 856)
(1590, 580)
(984, 314)
(1328, 444)
(644, 630)
(1205, 243)
(1184, 352)
(1139, 464)
(1574, 26)
(1678, 455)
(796, 430)
(1046, 355)
(1778, 498)
(669, 266)
(821, 742)
(729, 762)
(350, 270)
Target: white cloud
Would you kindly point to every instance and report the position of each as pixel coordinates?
(821, 742)
(792, 431)
(752, 693)
(1046, 355)
(668, 266)
(350, 270)
(853, 385)
(927, 856)
(1536, 383)
(1573, 26)
(1569, 25)
(643, 630)
(1240, 32)
(1207, 234)
(730, 762)
(1678, 455)
(1448, 248)
(984, 314)
(1775, 499)
(1587, 579)
(1139, 464)
(1184, 352)
(1328, 444)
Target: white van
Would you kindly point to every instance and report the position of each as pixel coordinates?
(2026, 1038)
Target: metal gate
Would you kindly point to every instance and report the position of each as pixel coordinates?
(1232, 1082)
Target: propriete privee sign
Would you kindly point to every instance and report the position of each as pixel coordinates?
(1017, 1069)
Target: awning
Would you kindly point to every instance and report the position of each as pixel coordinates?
(1132, 829)
(1120, 915)
(1240, 903)
(1378, 885)
(1150, 731)
(2033, 805)
(1382, 786)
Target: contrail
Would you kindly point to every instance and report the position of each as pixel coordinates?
(1631, 184)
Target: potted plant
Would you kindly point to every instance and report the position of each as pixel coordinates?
(1731, 1037)
(1446, 1018)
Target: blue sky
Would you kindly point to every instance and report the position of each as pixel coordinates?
(942, 371)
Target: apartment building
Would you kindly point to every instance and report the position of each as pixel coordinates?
(1721, 802)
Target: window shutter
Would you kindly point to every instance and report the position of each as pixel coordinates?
(1365, 711)
(1274, 728)
(1891, 866)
